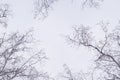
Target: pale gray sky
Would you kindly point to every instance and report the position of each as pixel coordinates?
(59, 22)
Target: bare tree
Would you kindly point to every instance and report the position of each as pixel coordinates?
(107, 49)
(17, 60)
(42, 7)
(4, 14)
(14, 64)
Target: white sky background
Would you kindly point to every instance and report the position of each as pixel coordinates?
(59, 22)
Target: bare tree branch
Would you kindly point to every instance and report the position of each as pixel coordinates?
(42, 7)
(108, 49)
(13, 64)
(4, 14)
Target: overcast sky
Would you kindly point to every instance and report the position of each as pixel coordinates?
(51, 31)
